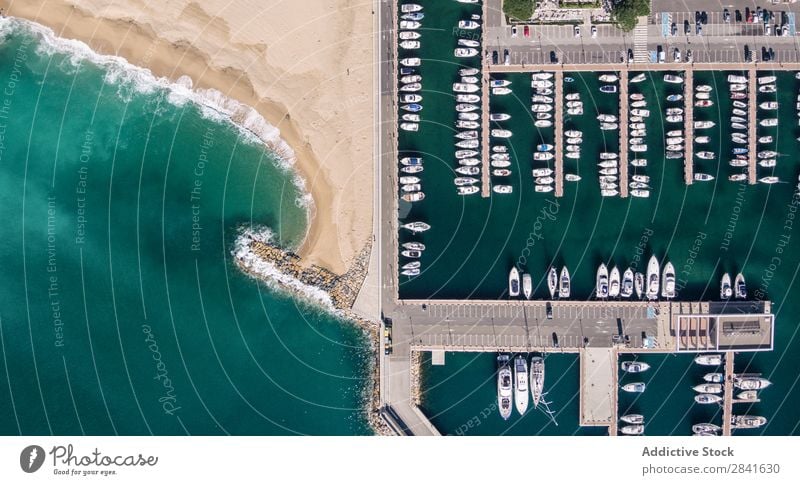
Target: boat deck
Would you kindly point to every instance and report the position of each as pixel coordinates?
(558, 143)
(688, 127)
(727, 401)
(752, 125)
(623, 134)
(598, 388)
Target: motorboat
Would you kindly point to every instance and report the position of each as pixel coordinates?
(418, 246)
(410, 272)
(641, 162)
(544, 116)
(410, 98)
(703, 88)
(632, 429)
(748, 422)
(632, 419)
(466, 108)
(541, 108)
(405, 180)
(573, 134)
(543, 188)
(674, 111)
(469, 79)
(411, 78)
(674, 119)
(499, 117)
(705, 155)
(513, 282)
(542, 172)
(461, 181)
(572, 177)
(609, 192)
(606, 117)
(411, 265)
(638, 78)
(467, 135)
(708, 359)
(634, 387)
(541, 84)
(675, 97)
(465, 88)
(608, 89)
(699, 125)
(468, 190)
(613, 281)
(767, 122)
(409, 25)
(608, 78)
(466, 153)
(607, 164)
(413, 196)
(672, 79)
(738, 97)
(707, 398)
(539, 98)
(766, 80)
(725, 289)
(411, 117)
(739, 287)
(504, 386)
(564, 283)
(767, 154)
(542, 123)
(543, 156)
(468, 144)
(638, 284)
(641, 193)
(499, 163)
(708, 388)
(469, 71)
(468, 43)
(501, 91)
(734, 79)
(751, 383)
(410, 44)
(768, 105)
(468, 98)
(626, 288)
(706, 428)
(544, 180)
(413, 107)
(636, 97)
(634, 367)
(769, 180)
(641, 112)
(738, 112)
(573, 155)
(703, 103)
(521, 384)
(409, 126)
(412, 169)
(499, 149)
(601, 287)
(541, 76)
(638, 148)
(747, 395)
(410, 7)
(410, 35)
(537, 379)
(738, 88)
(714, 377)
(500, 156)
(502, 189)
(608, 126)
(467, 125)
(738, 177)
(527, 286)
(703, 177)
(544, 147)
(765, 139)
(411, 253)
(652, 278)
(501, 172)
(468, 24)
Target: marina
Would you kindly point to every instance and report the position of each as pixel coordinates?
(566, 127)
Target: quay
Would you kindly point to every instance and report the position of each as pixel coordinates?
(752, 126)
(558, 142)
(623, 134)
(650, 66)
(688, 127)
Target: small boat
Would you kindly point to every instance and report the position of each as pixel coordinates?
(500, 163)
(640, 193)
(765, 139)
(504, 386)
(734, 79)
(767, 154)
(714, 377)
(501, 156)
(468, 43)
(573, 133)
(609, 192)
(465, 88)
(768, 105)
(467, 98)
(413, 196)
(613, 281)
(543, 156)
(703, 103)
(466, 108)
(468, 24)
(739, 287)
(513, 282)
(537, 379)
(672, 79)
(542, 99)
(411, 117)
(751, 383)
(605, 117)
(608, 126)
(708, 359)
(467, 135)
(706, 428)
(738, 177)
(601, 286)
(725, 290)
(543, 123)
(608, 89)
(412, 265)
(632, 419)
(410, 7)
(608, 78)
(766, 80)
(407, 180)
(572, 177)
(707, 398)
(564, 283)
(502, 189)
(769, 180)
(544, 147)
(521, 384)
(703, 88)
(542, 172)
(748, 422)
(675, 97)
(501, 91)
(541, 108)
(638, 78)
(699, 125)
(541, 75)
(544, 180)
(708, 388)
(466, 153)
(541, 84)
(410, 98)
(412, 169)
(747, 395)
(468, 144)
(411, 253)
(573, 155)
(703, 177)
(499, 117)
(637, 97)
(469, 71)
(641, 162)
(410, 272)
(543, 188)
(409, 126)
(638, 283)
(608, 156)
(638, 148)
(607, 164)
(527, 286)
(674, 119)
(769, 122)
(499, 149)
(461, 181)
(632, 429)
(652, 278)
(410, 44)
(468, 190)
(544, 116)
(626, 289)
(702, 139)
(634, 387)
(705, 155)
(410, 35)
(501, 172)
(634, 367)
(417, 246)
(641, 112)
(467, 125)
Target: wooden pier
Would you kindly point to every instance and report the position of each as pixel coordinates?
(752, 125)
(558, 142)
(623, 134)
(688, 127)
(727, 401)
(486, 183)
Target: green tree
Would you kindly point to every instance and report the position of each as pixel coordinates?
(625, 12)
(518, 9)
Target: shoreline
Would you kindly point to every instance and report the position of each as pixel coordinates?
(325, 243)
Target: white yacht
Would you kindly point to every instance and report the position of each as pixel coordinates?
(564, 283)
(708, 359)
(537, 379)
(465, 52)
(634, 387)
(725, 289)
(707, 398)
(613, 283)
(634, 367)
(527, 285)
(513, 282)
(521, 383)
(626, 288)
(632, 429)
(552, 281)
(632, 419)
(668, 290)
(601, 289)
(751, 383)
(652, 278)
(504, 386)
(708, 388)
(739, 287)
(638, 283)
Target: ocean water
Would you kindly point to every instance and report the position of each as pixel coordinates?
(121, 311)
(705, 229)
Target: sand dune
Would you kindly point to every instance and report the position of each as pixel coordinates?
(306, 66)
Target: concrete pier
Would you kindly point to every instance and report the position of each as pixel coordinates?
(623, 134)
(752, 125)
(598, 388)
(558, 142)
(727, 401)
(688, 127)
(666, 66)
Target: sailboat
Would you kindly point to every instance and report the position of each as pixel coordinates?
(739, 287)
(613, 283)
(751, 383)
(652, 278)
(537, 379)
(725, 290)
(563, 286)
(632, 419)
(504, 386)
(601, 289)
(669, 281)
(527, 286)
(521, 383)
(638, 283)
(552, 281)
(513, 282)
(632, 429)
(626, 290)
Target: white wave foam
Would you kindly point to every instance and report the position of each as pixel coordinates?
(254, 264)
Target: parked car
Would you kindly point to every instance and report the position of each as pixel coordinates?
(506, 57)
(494, 57)
(630, 55)
(689, 55)
(594, 31)
(526, 31)
(676, 55)
(513, 31)
(726, 16)
(674, 30)
(687, 29)
(577, 31)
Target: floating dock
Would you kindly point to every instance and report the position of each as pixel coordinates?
(688, 127)
(558, 142)
(752, 125)
(598, 388)
(727, 400)
(623, 134)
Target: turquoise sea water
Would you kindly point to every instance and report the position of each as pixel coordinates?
(705, 229)
(121, 311)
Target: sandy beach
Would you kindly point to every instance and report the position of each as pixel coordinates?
(306, 67)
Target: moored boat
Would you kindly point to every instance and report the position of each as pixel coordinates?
(527, 286)
(504, 386)
(552, 281)
(537, 379)
(634, 387)
(613, 282)
(632, 419)
(740, 289)
(521, 383)
(725, 289)
(708, 388)
(513, 282)
(564, 283)
(668, 289)
(707, 398)
(601, 285)
(632, 429)
(634, 366)
(652, 278)
(708, 359)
